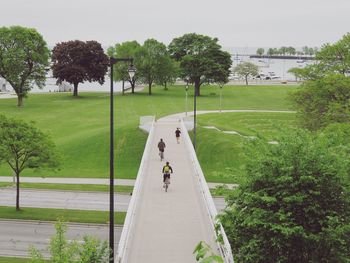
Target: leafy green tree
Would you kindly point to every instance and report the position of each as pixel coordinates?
(126, 49)
(271, 52)
(260, 51)
(23, 146)
(205, 254)
(77, 61)
(149, 60)
(91, 250)
(335, 58)
(291, 50)
(295, 205)
(246, 69)
(323, 101)
(201, 59)
(168, 71)
(24, 58)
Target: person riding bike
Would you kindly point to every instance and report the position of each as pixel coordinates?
(166, 172)
(161, 147)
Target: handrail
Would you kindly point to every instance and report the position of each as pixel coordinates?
(130, 215)
(225, 247)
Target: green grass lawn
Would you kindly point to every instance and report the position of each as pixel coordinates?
(68, 215)
(226, 161)
(15, 260)
(72, 187)
(80, 126)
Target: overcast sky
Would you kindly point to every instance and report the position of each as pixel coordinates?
(237, 23)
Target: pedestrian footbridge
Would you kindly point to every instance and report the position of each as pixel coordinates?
(166, 227)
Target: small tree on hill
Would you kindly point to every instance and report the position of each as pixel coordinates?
(168, 72)
(23, 146)
(245, 70)
(24, 58)
(78, 61)
(295, 206)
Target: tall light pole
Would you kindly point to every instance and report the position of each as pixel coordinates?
(186, 89)
(194, 117)
(221, 85)
(131, 71)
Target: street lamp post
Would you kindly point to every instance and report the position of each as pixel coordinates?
(194, 118)
(186, 89)
(131, 71)
(221, 85)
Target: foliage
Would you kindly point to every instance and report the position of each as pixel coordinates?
(260, 51)
(24, 58)
(201, 59)
(91, 250)
(246, 69)
(126, 49)
(77, 61)
(204, 254)
(23, 146)
(168, 71)
(149, 61)
(295, 206)
(323, 101)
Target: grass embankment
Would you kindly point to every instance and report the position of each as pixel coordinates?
(68, 215)
(80, 126)
(226, 159)
(72, 187)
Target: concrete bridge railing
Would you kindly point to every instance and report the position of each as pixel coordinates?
(225, 247)
(147, 124)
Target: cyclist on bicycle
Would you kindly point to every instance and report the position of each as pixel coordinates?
(161, 146)
(166, 171)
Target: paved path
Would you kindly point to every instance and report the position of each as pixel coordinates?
(64, 199)
(169, 225)
(16, 236)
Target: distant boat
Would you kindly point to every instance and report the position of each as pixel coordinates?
(300, 61)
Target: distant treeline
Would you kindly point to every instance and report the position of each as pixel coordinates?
(309, 51)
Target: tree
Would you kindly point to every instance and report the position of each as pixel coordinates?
(91, 250)
(126, 49)
(24, 58)
(77, 61)
(260, 51)
(246, 69)
(296, 198)
(24, 146)
(335, 58)
(168, 71)
(149, 60)
(323, 101)
(201, 59)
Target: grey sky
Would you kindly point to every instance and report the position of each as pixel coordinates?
(252, 23)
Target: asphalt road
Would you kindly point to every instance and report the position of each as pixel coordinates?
(72, 200)
(63, 199)
(17, 236)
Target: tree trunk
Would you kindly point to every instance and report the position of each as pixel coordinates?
(246, 80)
(20, 100)
(75, 91)
(123, 87)
(197, 84)
(17, 192)
(165, 86)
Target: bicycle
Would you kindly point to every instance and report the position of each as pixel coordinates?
(166, 183)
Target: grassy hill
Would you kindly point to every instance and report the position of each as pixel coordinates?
(80, 126)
